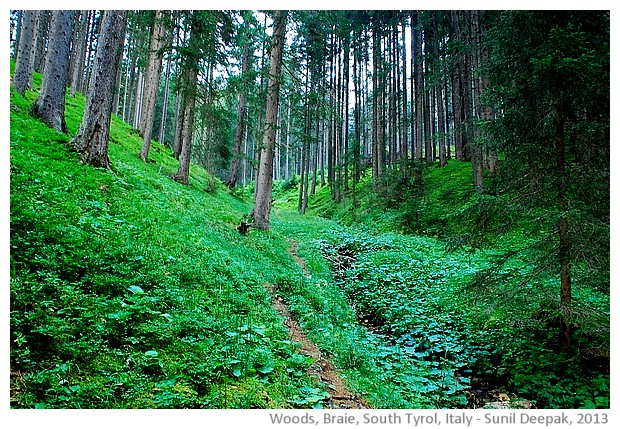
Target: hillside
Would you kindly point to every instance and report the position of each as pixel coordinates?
(130, 290)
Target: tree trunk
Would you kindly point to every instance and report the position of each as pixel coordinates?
(287, 175)
(315, 158)
(187, 124)
(457, 111)
(487, 111)
(239, 131)
(418, 77)
(42, 36)
(138, 99)
(564, 253)
(336, 195)
(378, 155)
(259, 135)
(245, 158)
(345, 117)
(18, 27)
(178, 129)
(303, 174)
(429, 105)
(457, 90)
(357, 119)
(131, 88)
(117, 85)
(50, 105)
(446, 99)
(466, 79)
(439, 84)
(24, 64)
(476, 146)
(262, 203)
(95, 28)
(153, 73)
(78, 53)
(332, 106)
(164, 108)
(189, 84)
(303, 178)
(91, 140)
(392, 103)
(404, 148)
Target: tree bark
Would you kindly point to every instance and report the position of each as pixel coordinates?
(189, 89)
(24, 63)
(378, 154)
(392, 103)
(186, 126)
(466, 79)
(153, 73)
(50, 105)
(287, 175)
(42, 37)
(305, 154)
(332, 106)
(477, 145)
(564, 253)
(137, 109)
(95, 28)
(315, 158)
(164, 108)
(429, 110)
(78, 53)
(18, 26)
(130, 89)
(357, 119)
(178, 129)
(418, 77)
(239, 131)
(457, 91)
(262, 203)
(439, 84)
(404, 148)
(345, 118)
(91, 140)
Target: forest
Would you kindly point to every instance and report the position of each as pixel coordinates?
(241, 209)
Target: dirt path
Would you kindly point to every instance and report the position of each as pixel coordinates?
(322, 368)
(293, 252)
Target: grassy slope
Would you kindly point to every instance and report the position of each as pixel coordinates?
(131, 290)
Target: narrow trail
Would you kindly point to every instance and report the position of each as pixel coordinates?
(322, 368)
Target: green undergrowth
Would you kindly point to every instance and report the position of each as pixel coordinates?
(420, 296)
(130, 290)
(464, 286)
(387, 373)
(416, 333)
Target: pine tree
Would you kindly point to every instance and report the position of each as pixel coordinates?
(552, 84)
